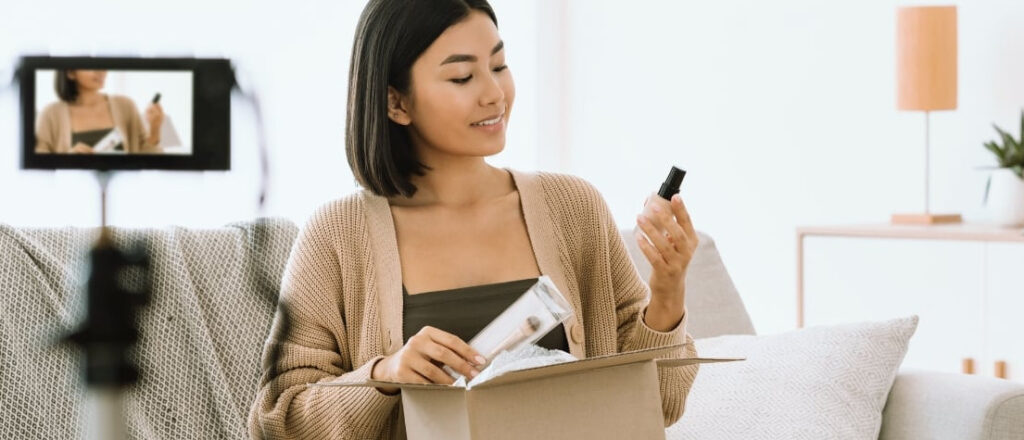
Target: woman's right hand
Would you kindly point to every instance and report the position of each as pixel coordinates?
(420, 360)
(81, 147)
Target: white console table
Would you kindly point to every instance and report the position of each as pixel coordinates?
(965, 281)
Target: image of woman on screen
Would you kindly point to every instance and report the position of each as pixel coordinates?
(87, 121)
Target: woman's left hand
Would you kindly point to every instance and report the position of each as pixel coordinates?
(672, 244)
(155, 117)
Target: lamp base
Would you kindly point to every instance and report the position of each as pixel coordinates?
(925, 219)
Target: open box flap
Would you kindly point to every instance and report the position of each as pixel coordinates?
(668, 363)
(384, 383)
(609, 360)
(595, 363)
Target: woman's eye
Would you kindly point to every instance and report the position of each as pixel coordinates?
(466, 79)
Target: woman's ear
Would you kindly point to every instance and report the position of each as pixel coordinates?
(398, 109)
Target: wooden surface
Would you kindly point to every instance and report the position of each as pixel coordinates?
(925, 219)
(958, 231)
(968, 366)
(1000, 369)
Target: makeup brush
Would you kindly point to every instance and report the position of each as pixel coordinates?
(527, 328)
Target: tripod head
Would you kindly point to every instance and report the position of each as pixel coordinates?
(119, 284)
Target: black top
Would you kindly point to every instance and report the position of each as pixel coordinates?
(465, 311)
(91, 137)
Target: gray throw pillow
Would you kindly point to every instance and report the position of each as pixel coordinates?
(813, 383)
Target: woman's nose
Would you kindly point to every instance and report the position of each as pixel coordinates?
(492, 92)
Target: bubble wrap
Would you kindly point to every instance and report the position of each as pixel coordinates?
(527, 356)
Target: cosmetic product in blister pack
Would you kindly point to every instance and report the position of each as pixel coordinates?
(109, 143)
(541, 308)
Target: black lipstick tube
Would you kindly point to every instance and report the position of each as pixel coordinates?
(672, 183)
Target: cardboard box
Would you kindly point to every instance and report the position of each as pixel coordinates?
(605, 397)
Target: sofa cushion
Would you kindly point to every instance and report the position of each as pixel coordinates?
(213, 298)
(813, 383)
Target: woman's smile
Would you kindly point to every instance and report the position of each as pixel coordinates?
(492, 125)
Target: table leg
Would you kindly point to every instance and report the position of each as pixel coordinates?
(799, 280)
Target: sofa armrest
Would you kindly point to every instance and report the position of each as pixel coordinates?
(924, 404)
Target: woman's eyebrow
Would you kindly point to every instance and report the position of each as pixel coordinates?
(459, 58)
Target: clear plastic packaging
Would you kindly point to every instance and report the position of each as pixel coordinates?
(541, 308)
(109, 142)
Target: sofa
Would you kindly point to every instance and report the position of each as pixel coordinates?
(213, 297)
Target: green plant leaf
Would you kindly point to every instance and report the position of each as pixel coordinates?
(994, 148)
(1008, 141)
(998, 151)
(1010, 154)
(1016, 158)
(1020, 142)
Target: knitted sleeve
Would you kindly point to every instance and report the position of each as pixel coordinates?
(137, 137)
(46, 132)
(315, 349)
(632, 295)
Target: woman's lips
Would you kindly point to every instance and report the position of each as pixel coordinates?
(493, 128)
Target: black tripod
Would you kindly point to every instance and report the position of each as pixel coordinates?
(119, 284)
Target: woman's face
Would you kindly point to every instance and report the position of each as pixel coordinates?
(88, 79)
(461, 92)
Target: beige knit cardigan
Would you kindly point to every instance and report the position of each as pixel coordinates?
(344, 290)
(53, 128)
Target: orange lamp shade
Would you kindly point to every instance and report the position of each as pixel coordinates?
(926, 58)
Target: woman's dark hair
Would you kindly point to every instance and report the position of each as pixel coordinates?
(66, 88)
(390, 36)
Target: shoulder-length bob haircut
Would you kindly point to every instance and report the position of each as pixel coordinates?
(66, 88)
(390, 36)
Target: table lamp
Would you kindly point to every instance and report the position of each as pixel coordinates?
(926, 70)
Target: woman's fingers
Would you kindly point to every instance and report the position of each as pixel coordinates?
(409, 375)
(431, 372)
(438, 348)
(661, 216)
(446, 356)
(456, 344)
(677, 236)
(154, 114)
(682, 216)
(81, 148)
(652, 254)
(425, 354)
(670, 236)
(657, 238)
(664, 212)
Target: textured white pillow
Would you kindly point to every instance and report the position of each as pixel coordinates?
(814, 383)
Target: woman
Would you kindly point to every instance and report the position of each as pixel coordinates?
(381, 284)
(84, 116)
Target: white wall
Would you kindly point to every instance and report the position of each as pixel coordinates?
(294, 55)
(783, 113)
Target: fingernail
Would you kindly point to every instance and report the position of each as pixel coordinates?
(473, 372)
(656, 208)
(641, 219)
(480, 360)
